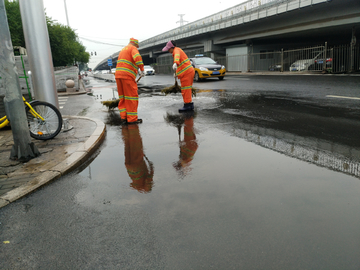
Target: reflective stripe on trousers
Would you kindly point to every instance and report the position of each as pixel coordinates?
(186, 85)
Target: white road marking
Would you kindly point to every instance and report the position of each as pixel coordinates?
(331, 96)
(242, 79)
(62, 101)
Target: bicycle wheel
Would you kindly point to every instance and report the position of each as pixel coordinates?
(50, 127)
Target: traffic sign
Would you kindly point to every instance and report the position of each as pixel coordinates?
(109, 62)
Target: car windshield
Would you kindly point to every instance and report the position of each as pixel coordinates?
(147, 66)
(204, 61)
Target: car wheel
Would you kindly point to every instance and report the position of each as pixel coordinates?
(221, 78)
(197, 78)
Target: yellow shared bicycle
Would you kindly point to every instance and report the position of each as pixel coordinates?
(44, 119)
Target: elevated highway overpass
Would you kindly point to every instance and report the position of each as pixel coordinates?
(258, 26)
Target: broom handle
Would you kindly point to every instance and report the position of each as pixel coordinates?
(138, 79)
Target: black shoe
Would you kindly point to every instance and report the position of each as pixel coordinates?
(139, 121)
(187, 107)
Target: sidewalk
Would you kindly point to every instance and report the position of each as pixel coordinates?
(67, 151)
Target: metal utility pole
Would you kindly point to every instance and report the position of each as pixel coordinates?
(181, 19)
(324, 57)
(352, 48)
(23, 149)
(39, 52)
(67, 18)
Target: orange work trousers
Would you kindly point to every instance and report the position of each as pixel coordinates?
(188, 148)
(140, 174)
(186, 82)
(189, 145)
(129, 99)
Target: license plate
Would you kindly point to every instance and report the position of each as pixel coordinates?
(216, 73)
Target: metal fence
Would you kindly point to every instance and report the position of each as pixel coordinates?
(345, 58)
(337, 59)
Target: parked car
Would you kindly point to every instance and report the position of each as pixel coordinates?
(205, 67)
(149, 70)
(319, 63)
(113, 70)
(301, 65)
(277, 67)
(104, 71)
(305, 64)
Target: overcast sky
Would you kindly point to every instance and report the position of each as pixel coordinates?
(115, 21)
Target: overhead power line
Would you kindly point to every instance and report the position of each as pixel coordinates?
(100, 42)
(102, 38)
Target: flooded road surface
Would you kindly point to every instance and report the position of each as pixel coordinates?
(249, 181)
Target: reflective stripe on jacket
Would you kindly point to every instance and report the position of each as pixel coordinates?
(182, 61)
(129, 61)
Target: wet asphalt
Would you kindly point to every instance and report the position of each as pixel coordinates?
(263, 175)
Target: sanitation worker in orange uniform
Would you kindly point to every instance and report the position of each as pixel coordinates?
(188, 148)
(129, 61)
(139, 168)
(184, 71)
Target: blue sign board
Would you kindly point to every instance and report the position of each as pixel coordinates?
(109, 62)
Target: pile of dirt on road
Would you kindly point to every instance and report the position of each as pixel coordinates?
(111, 104)
(174, 89)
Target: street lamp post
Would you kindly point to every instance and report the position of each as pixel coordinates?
(39, 52)
(67, 18)
(23, 149)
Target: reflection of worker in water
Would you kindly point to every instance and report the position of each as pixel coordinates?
(188, 145)
(139, 168)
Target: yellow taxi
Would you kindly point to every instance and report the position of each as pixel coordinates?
(205, 67)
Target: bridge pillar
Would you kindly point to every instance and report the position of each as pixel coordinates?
(153, 56)
(210, 47)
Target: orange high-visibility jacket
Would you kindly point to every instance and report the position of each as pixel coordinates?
(182, 61)
(129, 61)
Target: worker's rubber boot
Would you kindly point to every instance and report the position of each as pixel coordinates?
(187, 107)
(139, 121)
(123, 121)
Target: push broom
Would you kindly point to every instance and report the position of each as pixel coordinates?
(112, 104)
(176, 89)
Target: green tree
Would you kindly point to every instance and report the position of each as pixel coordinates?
(65, 47)
(15, 25)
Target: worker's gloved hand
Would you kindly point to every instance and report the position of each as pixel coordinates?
(175, 67)
(142, 73)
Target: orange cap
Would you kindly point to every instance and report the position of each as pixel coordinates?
(134, 42)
